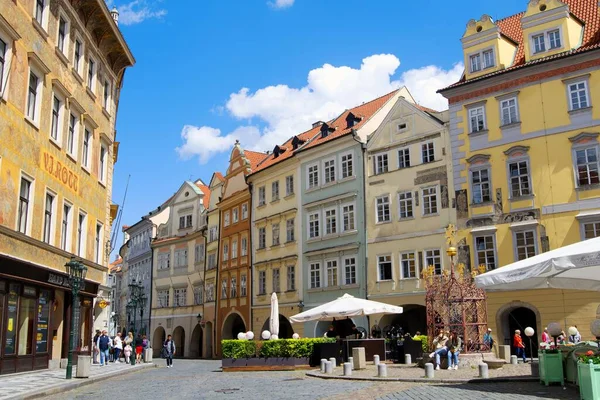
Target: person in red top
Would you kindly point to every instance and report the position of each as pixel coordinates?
(519, 345)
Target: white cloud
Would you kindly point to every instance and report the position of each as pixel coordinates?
(137, 11)
(284, 111)
(281, 3)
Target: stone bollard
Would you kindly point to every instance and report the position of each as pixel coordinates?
(381, 370)
(513, 360)
(84, 364)
(358, 357)
(148, 355)
(347, 369)
(332, 360)
(351, 361)
(407, 359)
(375, 360)
(483, 371)
(328, 367)
(63, 363)
(323, 361)
(429, 370)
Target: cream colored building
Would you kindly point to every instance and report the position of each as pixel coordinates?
(178, 272)
(409, 173)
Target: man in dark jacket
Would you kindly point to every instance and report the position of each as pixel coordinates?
(103, 346)
(169, 351)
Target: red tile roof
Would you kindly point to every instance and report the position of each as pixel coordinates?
(220, 176)
(587, 11)
(254, 157)
(206, 190)
(115, 266)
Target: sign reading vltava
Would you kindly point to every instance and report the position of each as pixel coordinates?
(60, 171)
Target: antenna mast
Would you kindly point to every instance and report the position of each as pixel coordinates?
(117, 224)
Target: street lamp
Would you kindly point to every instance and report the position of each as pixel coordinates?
(529, 332)
(115, 318)
(77, 273)
(138, 298)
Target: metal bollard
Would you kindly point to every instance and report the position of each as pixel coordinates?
(323, 361)
(333, 362)
(351, 361)
(381, 370)
(483, 371)
(407, 359)
(429, 370)
(375, 359)
(328, 367)
(347, 369)
(513, 360)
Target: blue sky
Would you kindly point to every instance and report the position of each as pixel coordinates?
(212, 71)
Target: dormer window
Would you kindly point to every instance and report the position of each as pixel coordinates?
(352, 120)
(296, 143)
(546, 41)
(325, 129)
(475, 63)
(482, 60)
(277, 151)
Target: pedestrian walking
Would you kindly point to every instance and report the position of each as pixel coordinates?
(488, 340)
(169, 351)
(103, 347)
(95, 350)
(118, 347)
(127, 351)
(519, 345)
(138, 348)
(546, 337)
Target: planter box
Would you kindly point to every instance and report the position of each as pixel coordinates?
(589, 381)
(266, 363)
(551, 368)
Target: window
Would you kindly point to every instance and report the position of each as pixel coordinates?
(180, 297)
(476, 119)
(486, 251)
(289, 227)
(315, 275)
(349, 271)
(381, 163)
(243, 292)
(48, 222)
(330, 221)
(430, 201)
(291, 278)
(313, 225)
(475, 62)
(329, 167)
(91, 78)
(40, 12)
(56, 117)
(72, 134)
(103, 167)
(262, 238)
(554, 39)
(77, 56)
(210, 292)
(235, 215)
(408, 265)
(262, 282)
(244, 247)
(224, 289)
(433, 258)
(62, 35)
(81, 234)
(289, 185)
(525, 244)
(163, 298)
(591, 230)
(65, 228)
(383, 208)
(332, 273)
(508, 111)
(98, 244)
(87, 148)
(347, 165)
(262, 196)
(4, 53)
(233, 288)
(199, 252)
(313, 176)
(164, 260)
(182, 222)
(578, 95)
(427, 152)
(384, 266)
(404, 158)
(275, 232)
(198, 295)
(405, 205)
(276, 280)
(244, 211)
(348, 217)
(480, 185)
(34, 95)
(275, 191)
(488, 59)
(539, 44)
(226, 217)
(106, 96)
(181, 258)
(225, 251)
(24, 206)
(234, 247)
(519, 179)
(212, 261)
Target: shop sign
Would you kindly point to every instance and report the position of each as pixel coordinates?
(103, 304)
(41, 342)
(60, 172)
(59, 280)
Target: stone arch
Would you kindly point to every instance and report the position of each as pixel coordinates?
(285, 327)
(196, 344)
(158, 338)
(506, 319)
(413, 319)
(208, 346)
(232, 325)
(179, 339)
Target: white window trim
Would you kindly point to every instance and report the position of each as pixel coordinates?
(342, 268)
(547, 48)
(341, 172)
(517, 112)
(320, 269)
(523, 229)
(482, 58)
(30, 202)
(5, 78)
(412, 203)
(54, 214)
(513, 160)
(99, 258)
(325, 283)
(69, 241)
(341, 228)
(478, 168)
(425, 144)
(376, 163)
(226, 218)
(108, 106)
(441, 257)
(437, 205)
(61, 118)
(76, 133)
(79, 68)
(67, 44)
(379, 265)
(469, 109)
(308, 186)
(87, 166)
(45, 13)
(401, 267)
(337, 220)
(287, 179)
(38, 97)
(94, 76)
(584, 221)
(475, 250)
(261, 200)
(377, 221)
(83, 252)
(319, 219)
(407, 148)
(333, 162)
(244, 213)
(587, 94)
(103, 175)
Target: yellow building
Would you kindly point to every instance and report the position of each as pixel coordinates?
(524, 127)
(409, 174)
(59, 93)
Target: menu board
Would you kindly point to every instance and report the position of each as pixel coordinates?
(43, 313)
(11, 319)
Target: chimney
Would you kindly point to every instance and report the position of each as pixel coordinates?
(114, 13)
(318, 123)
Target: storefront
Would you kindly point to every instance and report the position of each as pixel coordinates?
(35, 310)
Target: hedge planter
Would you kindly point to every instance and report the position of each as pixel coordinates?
(589, 380)
(551, 367)
(266, 364)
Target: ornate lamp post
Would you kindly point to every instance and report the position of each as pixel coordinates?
(77, 273)
(138, 298)
(142, 303)
(529, 332)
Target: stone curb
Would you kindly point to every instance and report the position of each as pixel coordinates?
(423, 380)
(76, 383)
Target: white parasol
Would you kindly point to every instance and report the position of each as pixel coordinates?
(274, 320)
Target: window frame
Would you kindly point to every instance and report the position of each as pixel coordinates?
(408, 200)
(67, 34)
(379, 262)
(484, 235)
(72, 148)
(478, 170)
(49, 226)
(312, 176)
(234, 249)
(262, 196)
(81, 249)
(329, 170)
(6, 63)
(389, 208)
(475, 108)
(275, 190)
(276, 283)
(585, 147)
(524, 230)
(433, 256)
(262, 283)
(243, 246)
(226, 218)
(275, 234)
(78, 62)
(26, 229)
(235, 215)
(289, 185)
(517, 116)
(347, 164)
(335, 265)
(345, 272)
(290, 278)
(99, 243)
(103, 160)
(343, 217)
(318, 224)
(589, 221)
(42, 20)
(401, 264)
(244, 211)
(87, 149)
(290, 230)
(545, 35)
(430, 152)
(437, 208)
(107, 94)
(91, 81)
(518, 160)
(262, 238)
(402, 158)
(379, 167)
(66, 235)
(586, 90)
(39, 93)
(480, 55)
(327, 219)
(243, 286)
(316, 273)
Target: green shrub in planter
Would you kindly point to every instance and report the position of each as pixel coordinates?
(296, 348)
(238, 348)
(424, 342)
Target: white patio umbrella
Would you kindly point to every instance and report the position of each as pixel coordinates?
(576, 266)
(274, 320)
(345, 306)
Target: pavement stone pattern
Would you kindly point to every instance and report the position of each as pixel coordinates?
(22, 385)
(203, 379)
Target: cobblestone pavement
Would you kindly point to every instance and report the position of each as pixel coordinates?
(203, 380)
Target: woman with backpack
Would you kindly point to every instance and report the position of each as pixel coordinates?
(169, 351)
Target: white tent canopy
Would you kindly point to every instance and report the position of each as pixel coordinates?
(576, 266)
(345, 306)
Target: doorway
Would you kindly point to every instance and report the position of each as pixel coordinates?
(179, 339)
(196, 342)
(520, 318)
